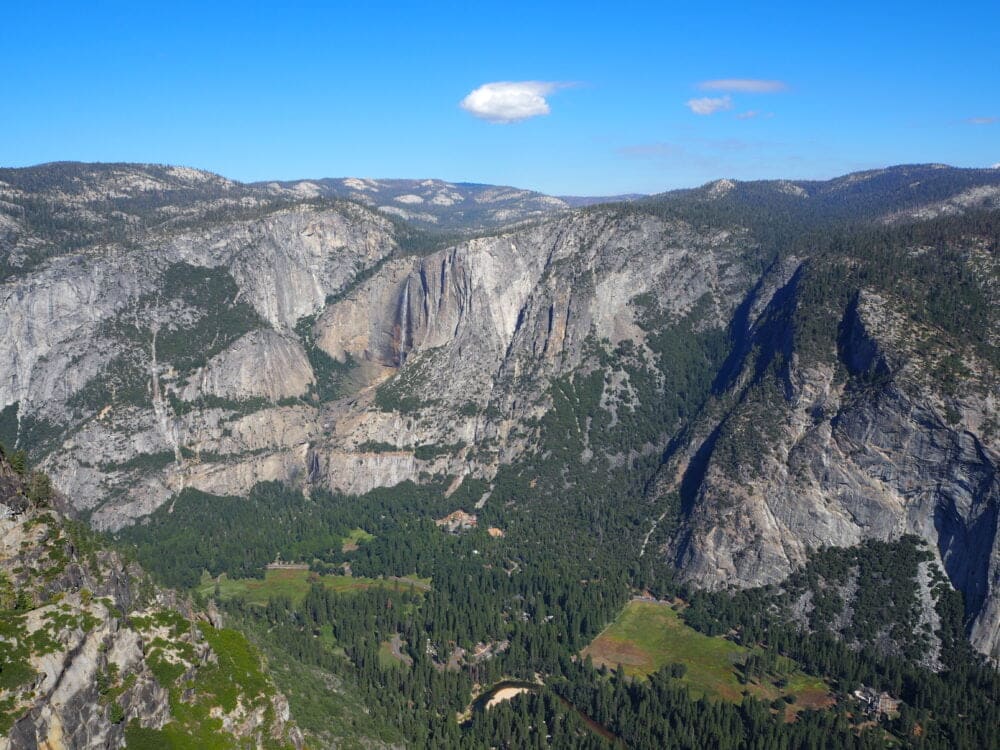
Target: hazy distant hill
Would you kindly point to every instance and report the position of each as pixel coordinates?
(443, 205)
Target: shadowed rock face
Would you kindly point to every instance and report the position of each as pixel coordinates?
(879, 454)
(302, 333)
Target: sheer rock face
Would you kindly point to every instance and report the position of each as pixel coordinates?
(523, 304)
(285, 266)
(886, 456)
(474, 333)
(52, 317)
(289, 264)
(262, 364)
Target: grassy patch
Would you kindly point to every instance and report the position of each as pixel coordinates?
(386, 659)
(293, 584)
(648, 636)
(355, 539)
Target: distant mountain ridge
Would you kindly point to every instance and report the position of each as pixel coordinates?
(152, 193)
(441, 204)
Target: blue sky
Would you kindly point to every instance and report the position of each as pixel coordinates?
(609, 95)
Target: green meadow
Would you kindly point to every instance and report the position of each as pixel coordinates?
(648, 636)
(295, 584)
(355, 539)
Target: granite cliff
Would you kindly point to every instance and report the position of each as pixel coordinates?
(792, 364)
(94, 655)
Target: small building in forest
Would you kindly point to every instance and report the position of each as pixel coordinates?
(876, 704)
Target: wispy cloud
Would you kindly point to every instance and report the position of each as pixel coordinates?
(672, 154)
(752, 113)
(651, 150)
(510, 101)
(708, 105)
(744, 85)
(982, 120)
(732, 144)
(709, 153)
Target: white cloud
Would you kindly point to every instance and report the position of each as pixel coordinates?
(744, 85)
(749, 114)
(981, 120)
(708, 105)
(510, 101)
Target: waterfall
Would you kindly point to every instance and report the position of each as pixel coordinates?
(404, 325)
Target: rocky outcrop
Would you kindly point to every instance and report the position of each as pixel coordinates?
(262, 364)
(69, 710)
(879, 454)
(90, 646)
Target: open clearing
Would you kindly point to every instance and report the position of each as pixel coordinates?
(390, 653)
(353, 541)
(505, 694)
(647, 636)
(295, 584)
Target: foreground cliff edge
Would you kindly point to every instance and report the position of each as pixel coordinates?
(92, 654)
